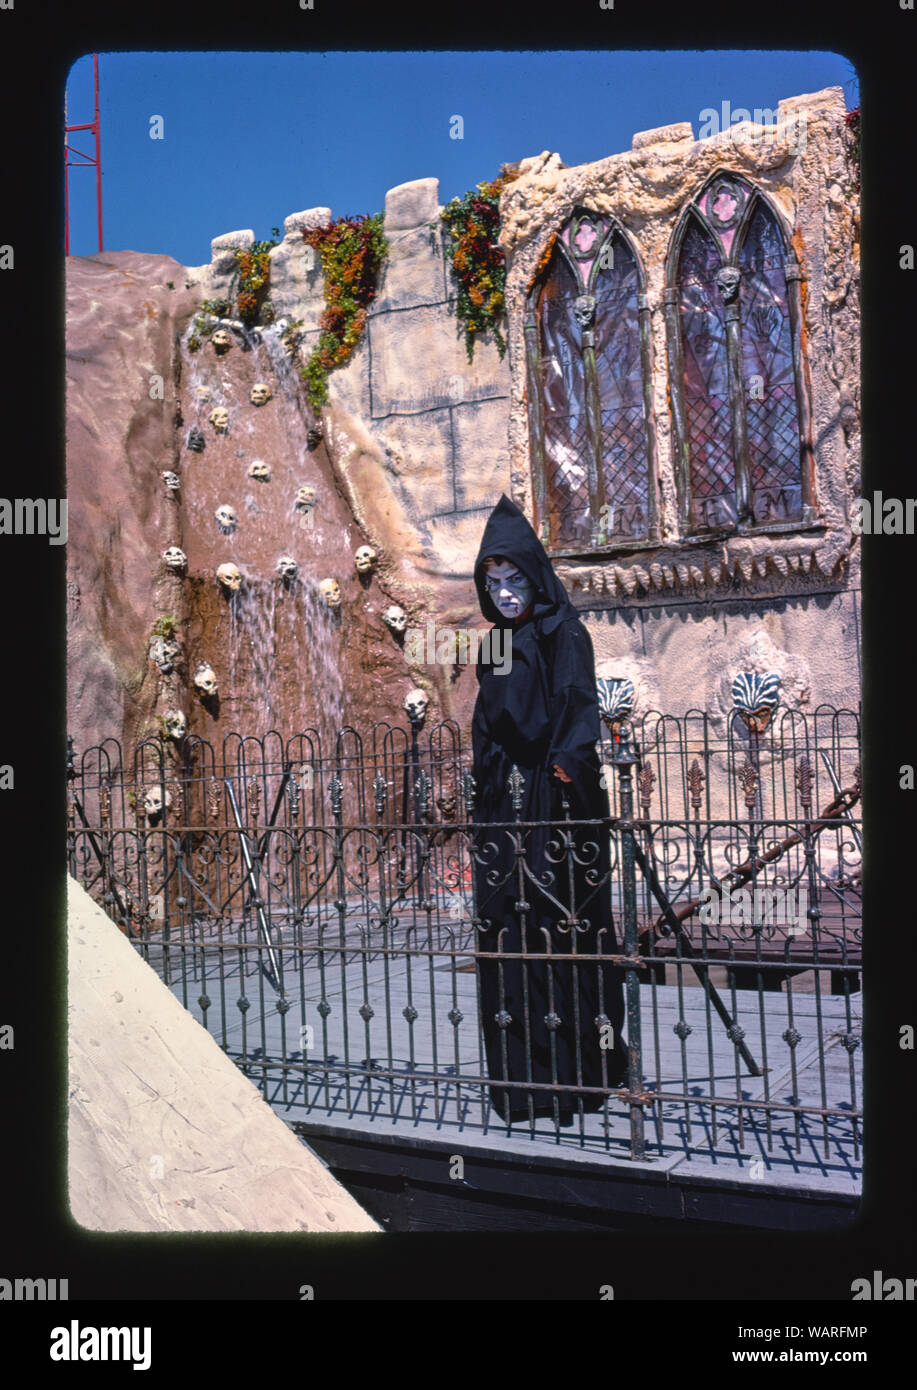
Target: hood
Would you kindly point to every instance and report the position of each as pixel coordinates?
(508, 533)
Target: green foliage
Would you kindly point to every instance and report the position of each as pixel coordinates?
(352, 251)
(478, 264)
(253, 273)
(165, 626)
(220, 308)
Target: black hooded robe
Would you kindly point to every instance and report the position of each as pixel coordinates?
(543, 711)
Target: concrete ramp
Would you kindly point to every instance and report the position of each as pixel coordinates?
(165, 1133)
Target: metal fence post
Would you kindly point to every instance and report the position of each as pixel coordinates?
(624, 760)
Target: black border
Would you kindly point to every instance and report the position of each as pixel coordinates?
(40, 43)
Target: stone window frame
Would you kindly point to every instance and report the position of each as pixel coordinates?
(531, 332)
(690, 533)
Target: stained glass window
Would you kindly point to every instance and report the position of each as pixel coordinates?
(733, 362)
(772, 418)
(590, 374)
(706, 381)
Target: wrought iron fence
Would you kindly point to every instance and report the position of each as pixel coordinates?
(317, 911)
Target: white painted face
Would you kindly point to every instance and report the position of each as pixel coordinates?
(226, 517)
(260, 393)
(260, 470)
(395, 618)
(174, 559)
(364, 559)
(287, 567)
(510, 590)
(205, 681)
(229, 576)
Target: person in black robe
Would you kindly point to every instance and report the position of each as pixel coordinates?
(542, 1021)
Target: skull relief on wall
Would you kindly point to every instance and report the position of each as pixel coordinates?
(176, 725)
(172, 481)
(330, 591)
(287, 567)
(260, 470)
(416, 702)
(222, 341)
(395, 618)
(205, 681)
(260, 393)
(226, 517)
(196, 440)
(163, 651)
(365, 559)
(219, 418)
(305, 498)
(153, 801)
(229, 576)
(174, 558)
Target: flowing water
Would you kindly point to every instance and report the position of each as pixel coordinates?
(282, 666)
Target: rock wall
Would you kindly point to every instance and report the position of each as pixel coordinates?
(412, 450)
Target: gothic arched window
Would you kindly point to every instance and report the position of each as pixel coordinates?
(588, 372)
(739, 404)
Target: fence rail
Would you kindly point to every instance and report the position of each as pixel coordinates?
(319, 912)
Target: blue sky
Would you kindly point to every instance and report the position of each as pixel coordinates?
(251, 137)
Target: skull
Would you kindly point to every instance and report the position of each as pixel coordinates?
(174, 558)
(176, 724)
(172, 481)
(222, 341)
(153, 801)
(163, 651)
(330, 591)
(395, 618)
(260, 470)
(196, 440)
(728, 282)
(305, 498)
(365, 559)
(229, 577)
(584, 310)
(287, 568)
(314, 437)
(202, 393)
(260, 393)
(219, 418)
(205, 681)
(416, 702)
(226, 517)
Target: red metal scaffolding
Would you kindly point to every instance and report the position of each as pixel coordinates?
(85, 160)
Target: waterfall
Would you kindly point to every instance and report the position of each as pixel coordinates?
(282, 646)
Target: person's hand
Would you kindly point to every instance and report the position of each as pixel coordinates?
(559, 772)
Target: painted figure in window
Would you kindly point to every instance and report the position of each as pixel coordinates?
(554, 1023)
